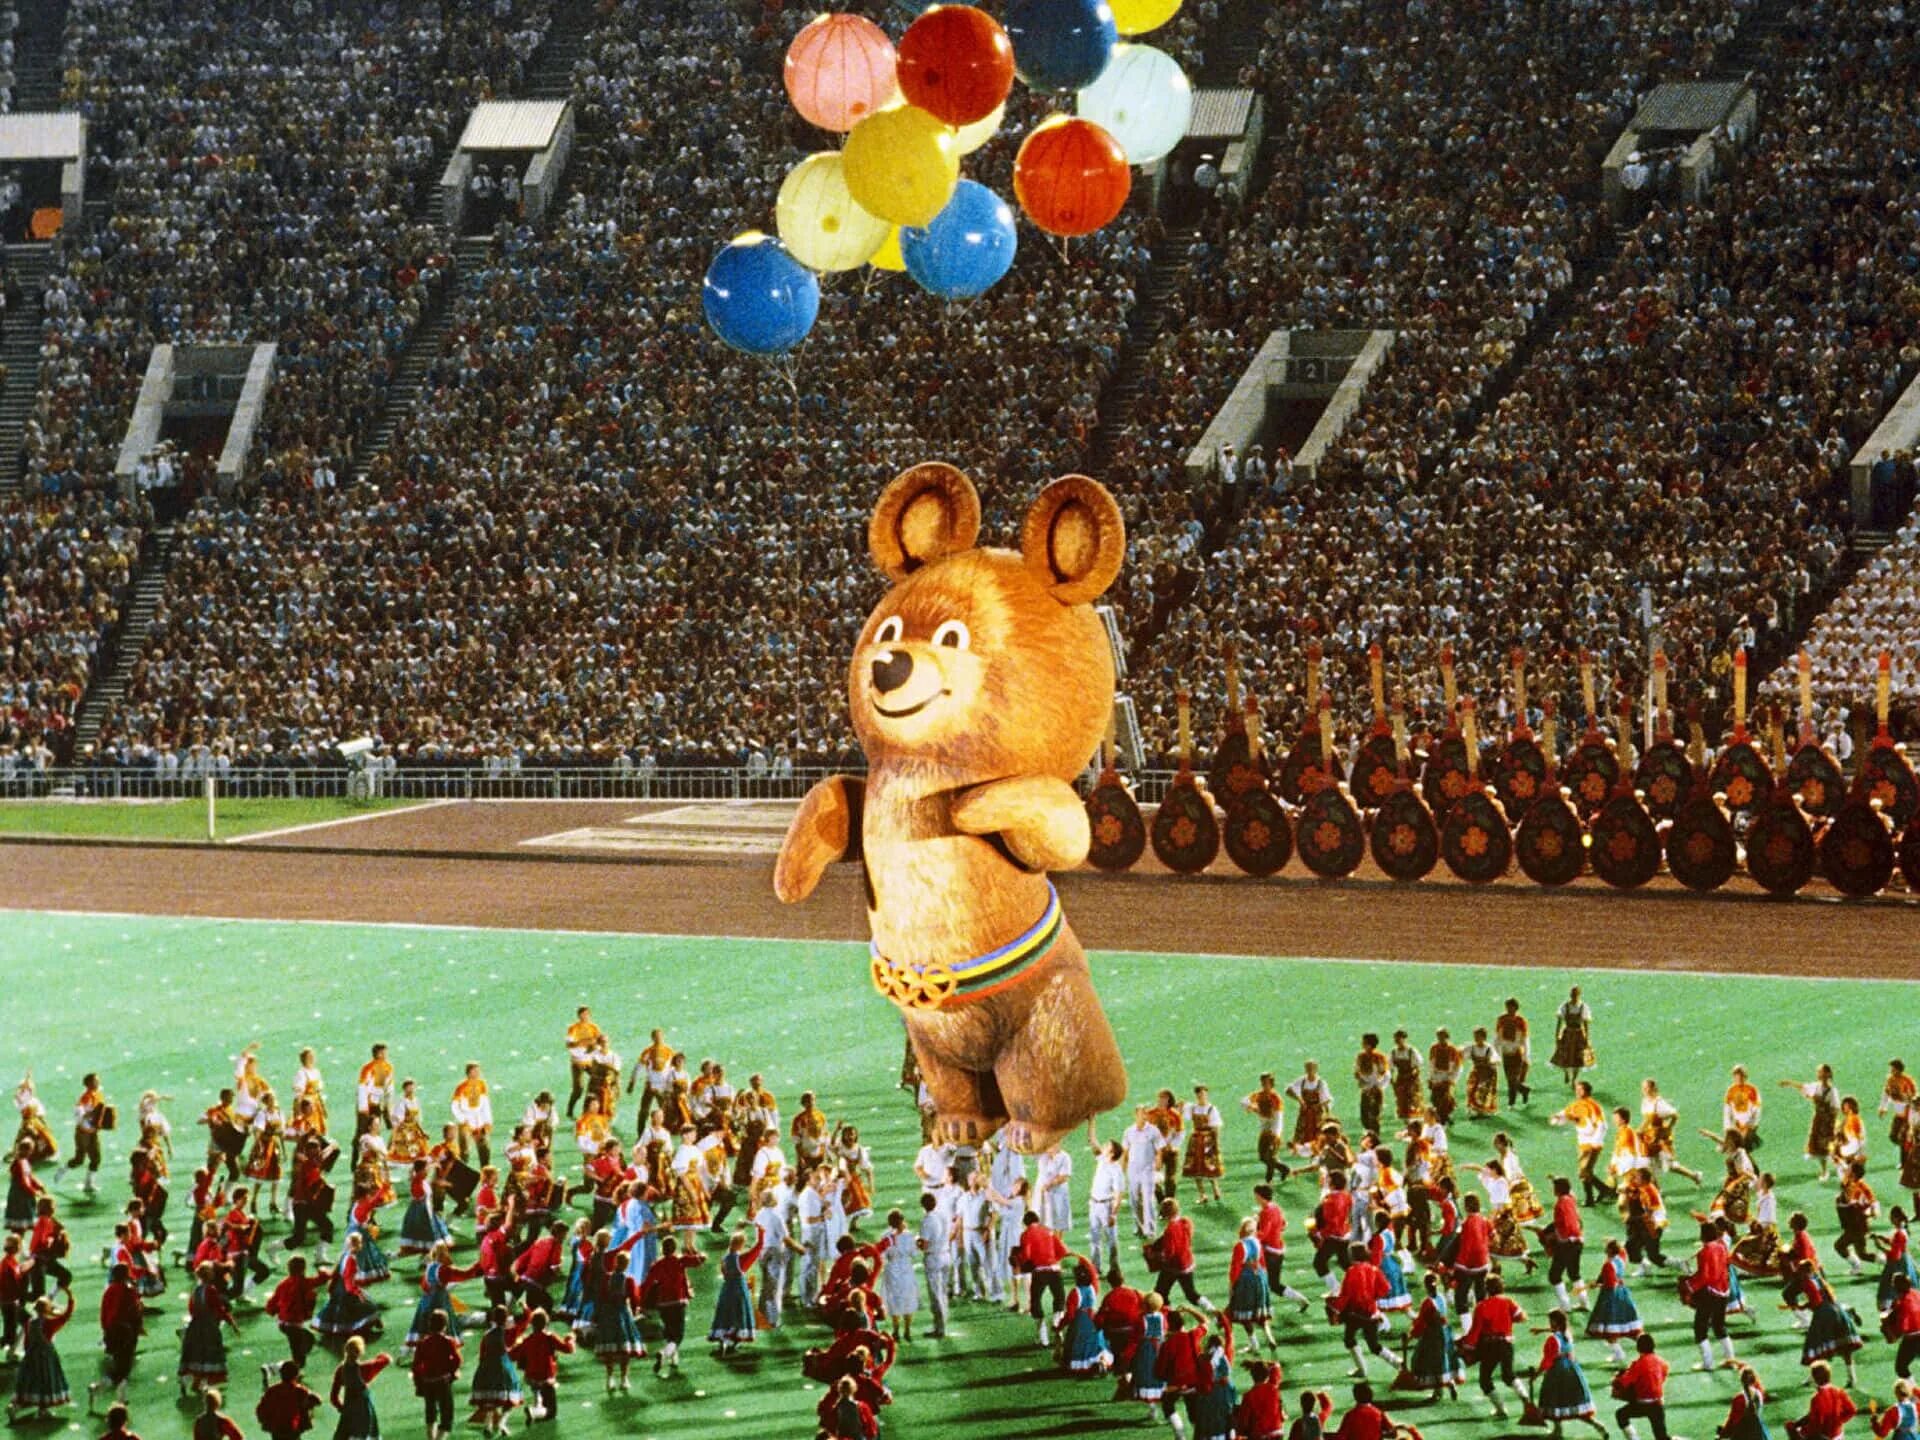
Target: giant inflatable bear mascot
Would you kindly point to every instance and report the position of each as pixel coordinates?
(980, 686)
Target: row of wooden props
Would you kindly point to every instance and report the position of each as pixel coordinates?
(1785, 819)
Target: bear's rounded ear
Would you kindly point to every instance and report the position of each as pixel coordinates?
(1074, 539)
(925, 514)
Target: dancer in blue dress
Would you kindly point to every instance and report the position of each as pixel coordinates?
(1384, 1251)
(1250, 1297)
(1086, 1346)
(1560, 1388)
(1900, 1420)
(421, 1228)
(636, 1230)
(435, 1295)
(1831, 1331)
(1211, 1410)
(1614, 1316)
(1746, 1416)
(573, 1301)
(203, 1346)
(1433, 1365)
(373, 1263)
(348, 1311)
(350, 1395)
(496, 1383)
(733, 1309)
(1899, 1262)
(1147, 1385)
(41, 1383)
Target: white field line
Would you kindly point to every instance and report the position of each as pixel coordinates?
(779, 940)
(412, 809)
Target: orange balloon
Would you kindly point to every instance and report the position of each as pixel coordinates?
(839, 70)
(1071, 176)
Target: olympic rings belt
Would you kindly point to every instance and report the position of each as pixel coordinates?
(937, 983)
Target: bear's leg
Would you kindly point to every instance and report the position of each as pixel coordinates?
(967, 1106)
(1062, 1065)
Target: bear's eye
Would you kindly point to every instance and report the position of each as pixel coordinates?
(891, 629)
(953, 634)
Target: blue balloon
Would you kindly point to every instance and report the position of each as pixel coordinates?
(966, 249)
(758, 298)
(1061, 44)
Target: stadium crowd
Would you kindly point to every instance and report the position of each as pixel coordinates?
(601, 534)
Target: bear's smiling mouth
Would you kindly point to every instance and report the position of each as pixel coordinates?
(911, 709)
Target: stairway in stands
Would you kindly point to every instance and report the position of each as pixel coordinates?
(123, 643)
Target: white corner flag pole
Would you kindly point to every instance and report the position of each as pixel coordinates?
(210, 809)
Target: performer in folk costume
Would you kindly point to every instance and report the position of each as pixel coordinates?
(23, 1188)
(1202, 1164)
(667, 1293)
(421, 1228)
(1589, 1124)
(1850, 1138)
(1269, 1109)
(1145, 1382)
(1573, 1037)
(1614, 1316)
(899, 1282)
(1513, 1039)
(1893, 1245)
(1758, 1251)
(1897, 1098)
(1830, 1329)
(436, 1297)
(409, 1140)
(1429, 1359)
(1165, 1115)
(1855, 1207)
(1370, 1074)
(1740, 1109)
(203, 1348)
(1312, 1100)
(1560, 1390)
(1828, 1409)
(1746, 1414)
(1483, 1075)
(1383, 1251)
(1507, 1238)
(348, 1311)
(1086, 1350)
(1404, 1064)
(1261, 1415)
(1250, 1302)
(496, 1391)
(34, 1129)
(310, 1093)
(40, 1384)
(1444, 1062)
(1900, 1420)
(264, 1161)
(372, 1092)
(1824, 1122)
(809, 1131)
(856, 1163)
(1738, 1182)
(350, 1393)
(1645, 1213)
(1658, 1120)
(537, 1352)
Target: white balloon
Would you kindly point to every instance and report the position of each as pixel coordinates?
(820, 223)
(1142, 99)
(973, 136)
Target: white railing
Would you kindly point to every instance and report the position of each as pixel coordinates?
(435, 782)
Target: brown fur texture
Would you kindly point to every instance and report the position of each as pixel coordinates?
(979, 688)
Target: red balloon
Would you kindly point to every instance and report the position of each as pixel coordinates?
(1071, 176)
(956, 63)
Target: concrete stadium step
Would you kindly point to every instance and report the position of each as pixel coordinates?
(124, 644)
(20, 352)
(550, 77)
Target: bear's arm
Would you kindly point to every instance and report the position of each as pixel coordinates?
(1040, 817)
(826, 829)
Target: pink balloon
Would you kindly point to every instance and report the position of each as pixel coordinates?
(840, 69)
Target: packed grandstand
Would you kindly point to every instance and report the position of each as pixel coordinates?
(598, 533)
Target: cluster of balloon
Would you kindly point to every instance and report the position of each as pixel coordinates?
(893, 197)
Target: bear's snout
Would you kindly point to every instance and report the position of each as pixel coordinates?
(891, 670)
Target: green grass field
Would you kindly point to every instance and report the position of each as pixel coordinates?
(166, 1003)
(175, 819)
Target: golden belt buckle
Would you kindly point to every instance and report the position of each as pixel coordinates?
(931, 988)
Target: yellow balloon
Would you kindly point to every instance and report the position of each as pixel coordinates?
(971, 137)
(819, 222)
(902, 165)
(1137, 17)
(888, 256)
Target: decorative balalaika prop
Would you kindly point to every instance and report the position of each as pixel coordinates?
(1119, 834)
(1258, 835)
(1626, 846)
(1592, 769)
(1445, 778)
(1232, 771)
(1474, 837)
(1186, 834)
(1815, 775)
(1404, 841)
(1780, 848)
(1702, 852)
(1740, 772)
(1376, 768)
(1521, 768)
(1329, 833)
(1889, 777)
(1664, 775)
(1305, 754)
(1551, 845)
(1856, 851)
